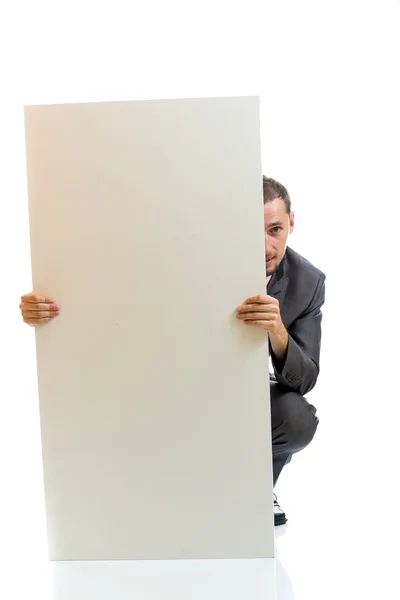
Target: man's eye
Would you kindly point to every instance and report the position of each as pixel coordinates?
(276, 229)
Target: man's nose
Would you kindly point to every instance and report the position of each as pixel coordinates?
(268, 244)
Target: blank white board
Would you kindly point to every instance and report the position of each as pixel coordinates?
(147, 227)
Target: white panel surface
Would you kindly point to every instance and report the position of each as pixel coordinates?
(147, 228)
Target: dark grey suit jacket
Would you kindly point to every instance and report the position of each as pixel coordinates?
(300, 289)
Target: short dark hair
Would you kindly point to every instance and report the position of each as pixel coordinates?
(273, 189)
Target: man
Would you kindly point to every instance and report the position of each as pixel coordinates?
(290, 314)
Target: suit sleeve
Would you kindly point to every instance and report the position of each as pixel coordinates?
(301, 367)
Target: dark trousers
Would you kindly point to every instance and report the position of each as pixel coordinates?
(294, 423)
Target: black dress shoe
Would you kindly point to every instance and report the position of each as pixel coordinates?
(279, 515)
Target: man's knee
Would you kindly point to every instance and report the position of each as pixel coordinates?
(292, 415)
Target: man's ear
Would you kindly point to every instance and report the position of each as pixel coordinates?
(291, 222)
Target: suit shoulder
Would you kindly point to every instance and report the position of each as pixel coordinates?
(301, 266)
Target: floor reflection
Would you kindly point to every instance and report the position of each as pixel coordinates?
(167, 580)
(284, 587)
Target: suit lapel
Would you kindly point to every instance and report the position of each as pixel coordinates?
(278, 283)
(277, 288)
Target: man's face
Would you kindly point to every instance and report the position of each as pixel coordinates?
(278, 225)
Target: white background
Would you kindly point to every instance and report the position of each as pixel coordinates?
(327, 75)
